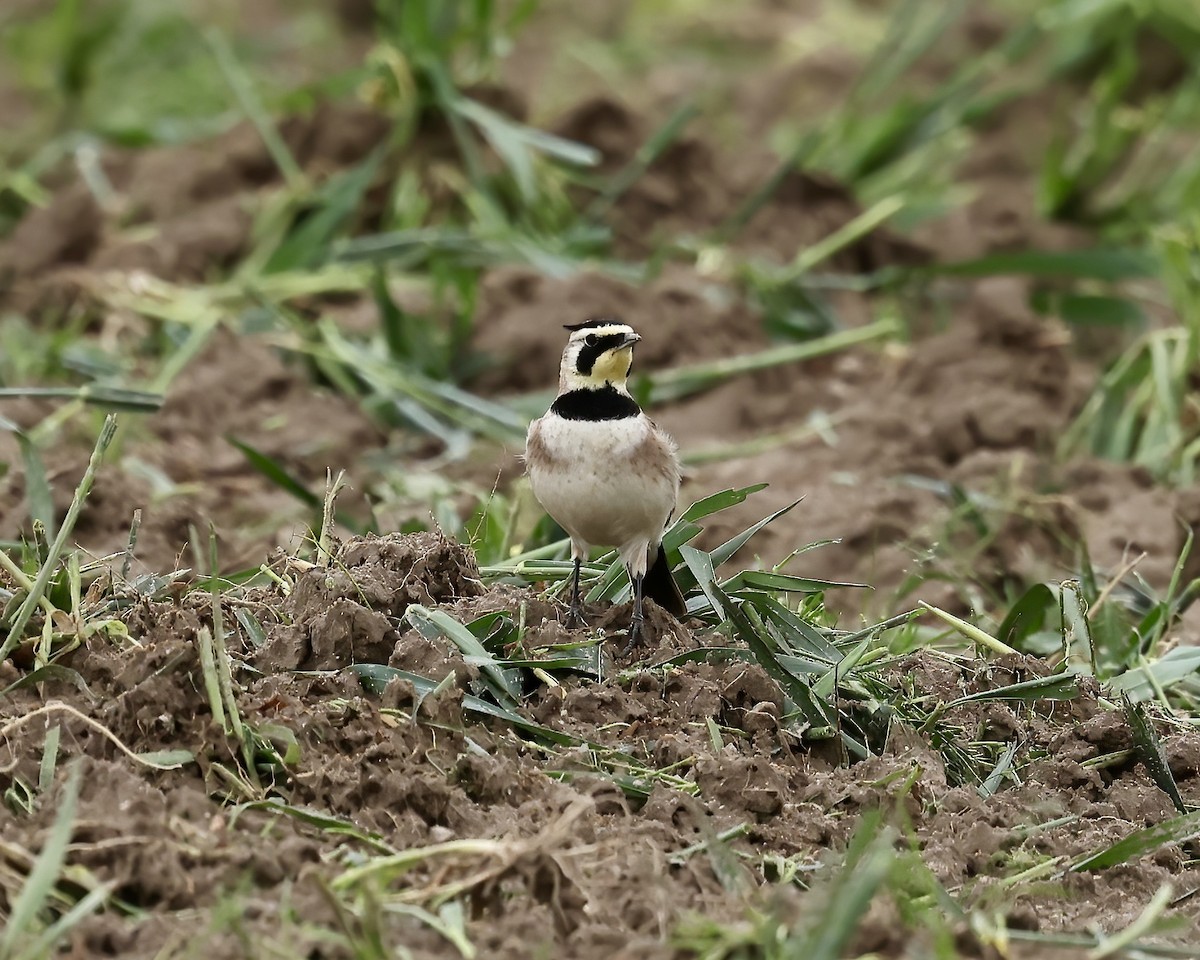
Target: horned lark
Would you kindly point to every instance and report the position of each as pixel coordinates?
(603, 470)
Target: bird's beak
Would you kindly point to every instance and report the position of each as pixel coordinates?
(630, 340)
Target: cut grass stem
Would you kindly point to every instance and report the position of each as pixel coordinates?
(243, 89)
(38, 589)
(679, 382)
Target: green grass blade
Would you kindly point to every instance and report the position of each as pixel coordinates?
(784, 583)
(1027, 616)
(736, 542)
(51, 671)
(815, 711)
(1058, 686)
(1079, 652)
(968, 630)
(1149, 750)
(1100, 263)
(308, 244)
(37, 489)
(699, 565)
(646, 154)
(21, 621)
(679, 382)
(1142, 682)
(116, 398)
(252, 105)
(867, 865)
(375, 677)
(437, 623)
(38, 885)
(325, 822)
(1141, 842)
(277, 474)
(49, 760)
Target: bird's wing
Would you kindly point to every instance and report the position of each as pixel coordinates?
(659, 456)
(535, 446)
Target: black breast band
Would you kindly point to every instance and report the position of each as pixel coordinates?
(607, 403)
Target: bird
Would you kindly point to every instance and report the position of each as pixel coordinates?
(603, 470)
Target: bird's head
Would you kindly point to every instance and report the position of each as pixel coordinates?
(598, 353)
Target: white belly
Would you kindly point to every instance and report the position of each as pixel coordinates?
(593, 486)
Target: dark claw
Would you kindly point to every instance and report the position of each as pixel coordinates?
(635, 637)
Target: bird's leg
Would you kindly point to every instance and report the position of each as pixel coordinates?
(635, 624)
(575, 615)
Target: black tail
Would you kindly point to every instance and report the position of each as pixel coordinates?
(661, 587)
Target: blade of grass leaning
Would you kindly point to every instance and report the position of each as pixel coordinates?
(784, 583)
(1144, 682)
(39, 883)
(1149, 750)
(1108, 264)
(825, 685)
(44, 944)
(800, 635)
(308, 243)
(42, 581)
(438, 623)
(49, 760)
(1175, 596)
(1142, 925)
(1079, 652)
(328, 512)
(38, 497)
(716, 502)
(325, 822)
(968, 630)
(700, 565)
(1141, 842)
(117, 398)
(850, 232)
(375, 677)
(991, 783)
(749, 208)
(517, 143)
(646, 154)
(735, 543)
(224, 666)
(252, 106)
(51, 671)
(19, 577)
(276, 473)
(254, 629)
(868, 862)
(208, 668)
(1076, 942)
(1057, 686)
(1028, 615)
(799, 691)
(679, 382)
(449, 923)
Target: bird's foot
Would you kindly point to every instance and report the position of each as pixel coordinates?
(575, 616)
(635, 637)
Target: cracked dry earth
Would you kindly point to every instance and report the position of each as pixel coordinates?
(568, 863)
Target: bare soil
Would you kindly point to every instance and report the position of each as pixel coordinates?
(596, 872)
(976, 401)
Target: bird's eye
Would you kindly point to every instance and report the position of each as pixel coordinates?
(591, 339)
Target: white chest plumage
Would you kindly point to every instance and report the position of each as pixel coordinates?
(587, 441)
(603, 481)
